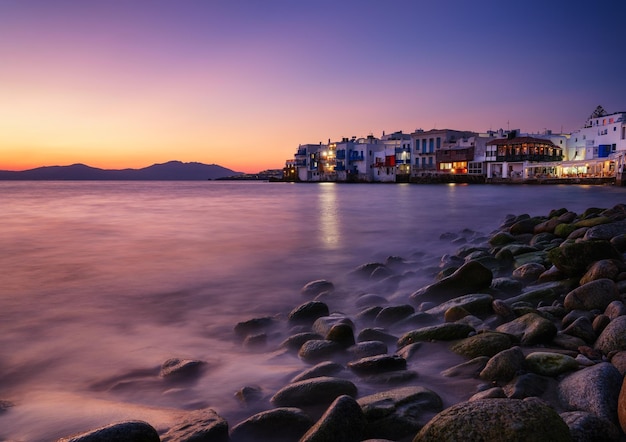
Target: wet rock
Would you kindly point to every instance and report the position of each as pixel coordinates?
(130, 431)
(295, 342)
(342, 422)
(255, 342)
(249, 394)
(605, 268)
(619, 361)
(475, 304)
(599, 323)
(366, 270)
(547, 226)
(500, 239)
(550, 364)
(368, 314)
(567, 342)
(619, 242)
(574, 258)
(409, 351)
(535, 296)
(441, 332)
(505, 285)
(482, 344)
(552, 274)
(315, 391)
(530, 329)
(502, 309)
(308, 312)
(203, 424)
(392, 314)
(597, 294)
(564, 230)
(470, 277)
(594, 389)
(326, 368)
(376, 334)
(370, 300)
(585, 427)
(279, 424)
(314, 288)
(315, 351)
(582, 328)
(323, 325)
(401, 412)
(621, 406)
(253, 326)
(524, 226)
(491, 393)
(527, 385)
(377, 364)
(606, 231)
(500, 420)
(615, 309)
(367, 348)
(613, 337)
(454, 314)
(181, 368)
(390, 377)
(341, 334)
(528, 273)
(469, 369)
(504, 365)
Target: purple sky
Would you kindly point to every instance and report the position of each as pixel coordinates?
(241, 83)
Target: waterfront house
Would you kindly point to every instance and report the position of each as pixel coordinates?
(521, 157)
(425, 144)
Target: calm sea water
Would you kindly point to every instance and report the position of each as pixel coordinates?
(101, 282)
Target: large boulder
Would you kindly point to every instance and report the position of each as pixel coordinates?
(585, 427)
(470, 277)
(605, 268)
(594, 389)
(573, 258)
(307, 313)
(613, 337)
(203, 424)
(509, 420)
(606, 231)
(597, 294)
(504, 366)
(550, 364)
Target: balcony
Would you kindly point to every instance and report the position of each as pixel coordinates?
(403, 149)
(341, 154)
(536, 158)
(356, 156)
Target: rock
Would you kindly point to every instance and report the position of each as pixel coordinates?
(482, 344)
(613, 337)
(500, 239)
(502, 309)
(255, 342)
(582, 328)
(253, 326)
(619, 242)
(315, 351)
(599, 323)
(395, 414)
(376, 334)
(525, 226)
(296, 341)
(326, 368)
(342, 422)
(606, 231)
(527, 385)
(369, 314)
(508, 420)
(308, 312)
(367, 348)
(249, 394)
(573, 315)
(279, 424)
(314, 288)
(130, 431)
(323, 325)
(469, 369)
(507, 286)
(475, 304)
(567, 342)
(316, 391)
(530, 329)
(619, 361)
(454, 314)
(390, 377)
(203, 424)
(470, 277)
(370, 300)
(594, 389)
(597, 294)
(408, 351)
(574, 258)
(504, 365)
(550, 364)
(181, 368)
(535, 296)
(547, 226)
(621, 406)
(392, 314)
(586, 427)
(605, 268)
(564, 230)
(615, 309)
(366, 270)
(441, 332)
(528, 272)
(341, 334)
(377, 364)
(593, 221)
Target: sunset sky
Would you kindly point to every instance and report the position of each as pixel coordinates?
(129, 83)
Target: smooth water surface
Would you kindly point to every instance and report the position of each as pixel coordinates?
(104, 281)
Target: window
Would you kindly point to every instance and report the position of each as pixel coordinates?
(438, 143)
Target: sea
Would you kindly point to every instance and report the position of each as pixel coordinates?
(102, 282)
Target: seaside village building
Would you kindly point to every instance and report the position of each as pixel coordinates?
(597, 150)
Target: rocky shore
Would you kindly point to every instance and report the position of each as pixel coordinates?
(531, 317)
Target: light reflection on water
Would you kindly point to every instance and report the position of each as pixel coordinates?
(103, 280)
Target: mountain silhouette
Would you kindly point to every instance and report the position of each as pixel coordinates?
(170, 171)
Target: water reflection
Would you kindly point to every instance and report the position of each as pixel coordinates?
(328, 213)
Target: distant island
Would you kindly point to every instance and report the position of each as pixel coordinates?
(170, 171)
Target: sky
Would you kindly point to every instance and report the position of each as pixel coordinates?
(129, 83)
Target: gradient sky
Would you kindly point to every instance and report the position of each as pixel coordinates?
(129, 83)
